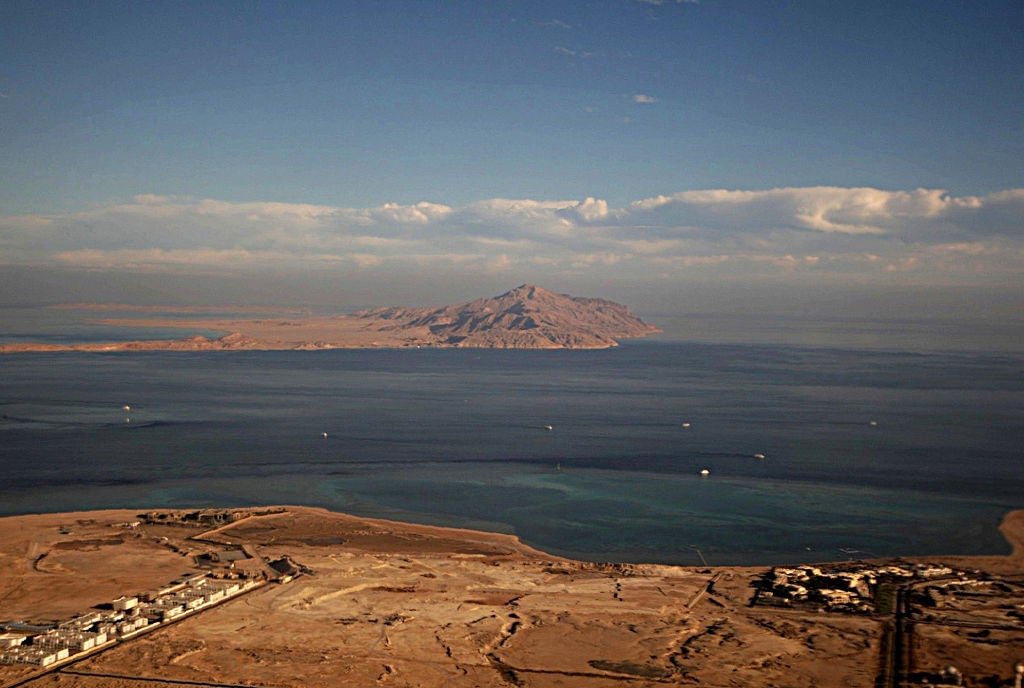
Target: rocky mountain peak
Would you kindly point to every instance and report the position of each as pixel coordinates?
(526, 317)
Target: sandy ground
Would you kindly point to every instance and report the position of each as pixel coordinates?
(393, 604)
(340, 331)
(57, 565)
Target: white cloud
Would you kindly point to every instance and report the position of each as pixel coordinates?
(151, 199)
(827, 209)
(95, 259)
(562, 50)
(589, 210)
(928, 233)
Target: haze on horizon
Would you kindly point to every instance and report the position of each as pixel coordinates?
(802, 160)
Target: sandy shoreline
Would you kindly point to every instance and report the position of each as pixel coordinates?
(300, 333)
(397, 604)
(1011, 527)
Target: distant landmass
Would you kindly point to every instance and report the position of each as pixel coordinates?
(527, 317)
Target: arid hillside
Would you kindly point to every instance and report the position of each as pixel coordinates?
(527, 317)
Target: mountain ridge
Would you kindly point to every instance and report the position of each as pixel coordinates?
(527, 316)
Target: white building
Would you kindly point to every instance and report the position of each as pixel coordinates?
(125, 603)
(11, 640)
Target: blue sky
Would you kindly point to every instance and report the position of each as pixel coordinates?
(849, 145)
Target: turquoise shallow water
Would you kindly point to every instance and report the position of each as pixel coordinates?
(459, 438)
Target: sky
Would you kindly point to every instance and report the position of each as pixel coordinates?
(682, 156)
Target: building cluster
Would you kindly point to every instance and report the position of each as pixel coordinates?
(850, 589)
(968, 593)
(128, 616)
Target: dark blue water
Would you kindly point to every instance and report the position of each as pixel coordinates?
(458, 438)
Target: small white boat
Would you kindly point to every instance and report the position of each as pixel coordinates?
(758, 456)
(705, 472)
(686, 425)
(549, 427)
(324, 435)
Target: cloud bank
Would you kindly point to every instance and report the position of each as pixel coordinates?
(927, 235)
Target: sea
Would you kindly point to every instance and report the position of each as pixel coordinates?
(663, 450)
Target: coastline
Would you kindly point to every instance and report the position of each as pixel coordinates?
(527, 317)
(1011, 527)
(300, 333)
(340, 600)
(309, 334)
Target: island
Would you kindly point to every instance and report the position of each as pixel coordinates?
(527, 317)
(301, 597)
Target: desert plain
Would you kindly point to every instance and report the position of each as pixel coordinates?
(381, 603)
